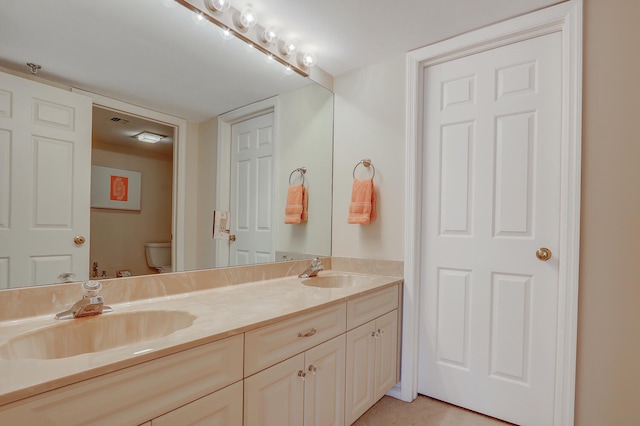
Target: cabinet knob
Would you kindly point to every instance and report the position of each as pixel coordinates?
(302, 374)
(380, 331)
(313, 369)
(375, 334)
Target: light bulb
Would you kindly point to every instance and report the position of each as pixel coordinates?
(218, 5)
(198, 18)
(289, 47)
(307, 59)
(248, 18)
(270, 35)
(226, 33)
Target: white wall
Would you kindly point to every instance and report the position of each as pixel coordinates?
(370, 123)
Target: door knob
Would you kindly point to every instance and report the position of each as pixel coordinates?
(232, 237)
(543, 254)
(79, 240)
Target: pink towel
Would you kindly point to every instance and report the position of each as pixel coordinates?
(296, 210)
(362, 209)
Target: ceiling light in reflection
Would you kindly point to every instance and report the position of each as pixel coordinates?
(226, 33)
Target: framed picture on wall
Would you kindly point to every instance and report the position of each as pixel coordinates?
(115, 188)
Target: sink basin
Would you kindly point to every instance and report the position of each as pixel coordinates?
(337, 281)
(94, 334)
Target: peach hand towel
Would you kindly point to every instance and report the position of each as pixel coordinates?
(296, 210)
(362, 209)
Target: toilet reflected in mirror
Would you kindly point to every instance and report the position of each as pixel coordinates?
(158, 256)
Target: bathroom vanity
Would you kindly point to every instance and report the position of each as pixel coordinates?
(281, 351)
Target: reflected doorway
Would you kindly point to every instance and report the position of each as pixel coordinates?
(119, 233)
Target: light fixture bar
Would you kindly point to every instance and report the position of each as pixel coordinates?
(251, 35)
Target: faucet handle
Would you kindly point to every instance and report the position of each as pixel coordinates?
(316, 262)
(91, 288)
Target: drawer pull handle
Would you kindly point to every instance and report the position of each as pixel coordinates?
(308, 333)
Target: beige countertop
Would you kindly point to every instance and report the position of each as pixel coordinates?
(219, 313)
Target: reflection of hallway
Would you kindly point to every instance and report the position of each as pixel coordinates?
(422, 412)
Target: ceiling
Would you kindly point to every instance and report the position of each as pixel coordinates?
(152, 53)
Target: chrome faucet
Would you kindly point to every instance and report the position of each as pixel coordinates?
(315, 267)
(90, 304)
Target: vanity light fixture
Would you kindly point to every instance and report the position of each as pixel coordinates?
(219, 6)
(243, 24)
(247, 18)
(307, 59)
(289, 47)
(149, 137)
(270, 35)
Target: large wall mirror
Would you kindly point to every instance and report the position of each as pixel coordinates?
(142, 61)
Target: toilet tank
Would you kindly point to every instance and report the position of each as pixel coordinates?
(158, 254)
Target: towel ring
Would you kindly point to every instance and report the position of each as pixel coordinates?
(301, 170)
(367, 163)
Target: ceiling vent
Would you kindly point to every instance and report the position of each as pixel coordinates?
(119, 120)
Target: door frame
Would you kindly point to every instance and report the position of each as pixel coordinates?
(565, 18)
(223, 161)
(179, 166)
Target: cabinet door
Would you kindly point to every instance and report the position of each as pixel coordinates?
(324, 384)
(386, 353)
(275, 396)
(361, 346)
(221, 408)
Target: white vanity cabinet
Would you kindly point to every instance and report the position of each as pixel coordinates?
(307, 389)
(221, 408)
(280, 387)
(306, 384)
(372, 351)
(136, 394)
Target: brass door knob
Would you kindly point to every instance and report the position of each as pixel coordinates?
(543, 254)
(232, 237)
(79, 240)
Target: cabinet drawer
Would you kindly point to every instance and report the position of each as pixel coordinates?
(221, 408)
(365, 308)
(140, 392)
(271, 344)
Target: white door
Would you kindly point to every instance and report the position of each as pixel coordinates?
(45, 174)
(252, 149)
(491, 199)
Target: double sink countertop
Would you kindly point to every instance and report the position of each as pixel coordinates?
(217, 313)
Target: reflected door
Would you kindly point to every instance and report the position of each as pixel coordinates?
(45, 160)
(252, 191)
(488, 313)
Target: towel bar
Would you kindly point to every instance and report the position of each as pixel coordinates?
(301, 170)
(367, 163)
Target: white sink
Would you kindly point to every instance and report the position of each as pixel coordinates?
(94, 334)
